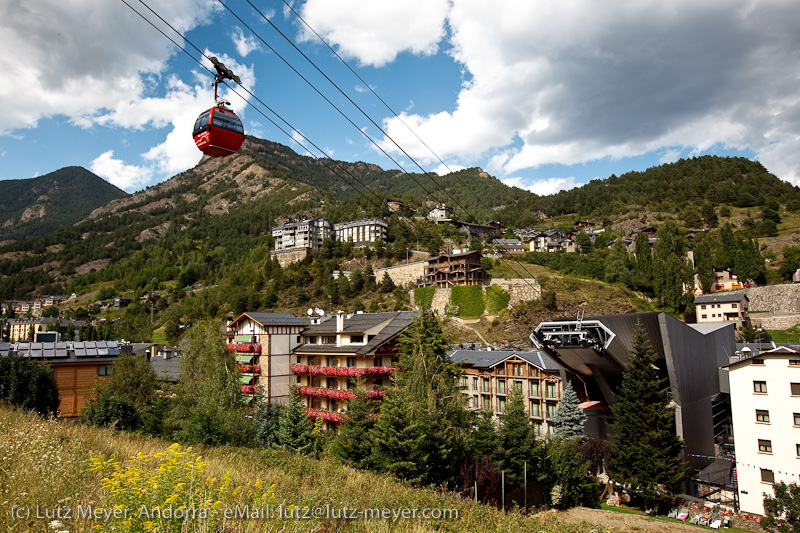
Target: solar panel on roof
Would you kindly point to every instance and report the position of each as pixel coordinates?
(102, 352)
(61, 346)
(61, 352)
(48, 353)
(37, 354)
(79, 345)
(91, 352)
(36, 346)
(80, 352)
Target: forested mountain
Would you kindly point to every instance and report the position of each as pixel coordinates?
(32, 207)
(670, 188)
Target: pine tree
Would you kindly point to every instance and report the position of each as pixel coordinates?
(397, 440)
(483, 437)
(569, 418)
(645, 450)
(294, 428)
(353, 443)
(266, 419)
(567, 477)
(516, 440)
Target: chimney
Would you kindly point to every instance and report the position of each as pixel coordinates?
(339, 321)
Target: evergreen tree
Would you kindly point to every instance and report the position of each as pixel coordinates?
(28, 385)
(483, 437)
(431, 386)
(645, 449)
(398, 440)
(569, 418)
(516, 442)
(387, 285)
(353, 443)
(617, 264)
(704, 263)
(567, 476)
(266, 419)
(369, 279)
(294, 428)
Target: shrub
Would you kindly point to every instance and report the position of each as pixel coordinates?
(27, 384)
(423, 297)
(497, 299)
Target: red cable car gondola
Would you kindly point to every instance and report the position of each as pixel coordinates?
(218, 132)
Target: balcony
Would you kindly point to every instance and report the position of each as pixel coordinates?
(325, 415)
(337, 394)
(244, 347)
(249, 369)
(344, 371)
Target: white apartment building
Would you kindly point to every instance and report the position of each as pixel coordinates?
(722, 308)
(307, 233)
(765, 407)
(362, 232)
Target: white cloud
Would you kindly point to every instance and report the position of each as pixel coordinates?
(577, 81)
(542, 187)
(376, 32)
(126, 177)
(244, 43)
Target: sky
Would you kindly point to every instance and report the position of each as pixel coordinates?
(544, 95)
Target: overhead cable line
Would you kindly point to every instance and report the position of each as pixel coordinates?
(513, 308)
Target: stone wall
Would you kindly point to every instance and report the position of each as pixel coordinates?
(287, 257)
(785, 298)
(403, 274)
(519, 290)
(775, 322)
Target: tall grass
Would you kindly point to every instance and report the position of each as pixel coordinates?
(56, 463)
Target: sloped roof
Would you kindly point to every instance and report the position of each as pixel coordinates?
(485, 359)
(360, 323)
(720, 298)
(274, 319)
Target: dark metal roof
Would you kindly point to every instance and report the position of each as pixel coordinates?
(275, 319)
(485, 359)
(64, 352)
(168, 369)
(396, 322)
(717, 298)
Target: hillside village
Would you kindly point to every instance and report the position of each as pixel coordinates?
(712, 346)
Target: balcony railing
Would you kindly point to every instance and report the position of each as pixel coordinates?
(244, 347)
(250, 369)
(325, 415)
(337, 394)
(344, 371)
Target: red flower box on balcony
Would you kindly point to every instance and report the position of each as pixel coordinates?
(244, 347)
(250, 369)
(249, 389)
(344, 371)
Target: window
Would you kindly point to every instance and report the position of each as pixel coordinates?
(486, 385)
(517, 369)
(331, 383)
(378, 361)
(703, 306)
(537, 429)
(352, 361)
(501, 370)
(105, 370)
(760, 387)
(794, 362)
(475, 402)
(535, 408)
(311, 339)
(797, 450)
(552, 389)
(299, 379)
(475, 384)
(329, 339)
(797, 419)
(299, 359)
(764, 446)
(551, 410)
(356, 338)
(762, 416)
(703, 316)
(534, 388)
(464, 381)
(501, 404)
(757, 362)
(332, 361)
(795, 387)
(518, 385)
(501, 386)
(767, 476)
(486, 402)
(735, 306)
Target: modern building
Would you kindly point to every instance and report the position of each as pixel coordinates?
(715, 308)
(337, 352)
(490, 375)
(362, 232)
(445, 271)
(593, 353)
(306, 233)
(765, 405)
(20, 329)
(263, 343)
(76, 366)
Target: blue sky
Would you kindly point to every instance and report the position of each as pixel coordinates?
(544, 95)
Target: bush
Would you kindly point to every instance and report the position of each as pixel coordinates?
(497, 299)
(27, 384)
(423, 297)
(469, 300)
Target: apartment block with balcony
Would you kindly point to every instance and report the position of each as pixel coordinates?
(337, 353)
(765, 406)
(445, 271)
(263, 344)
(362, 232)
(490, 375)
(308, 233)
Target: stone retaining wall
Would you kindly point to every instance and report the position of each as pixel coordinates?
(785, 298)
(410, 273)
(518, 291)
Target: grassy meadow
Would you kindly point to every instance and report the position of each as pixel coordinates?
(60, 476)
